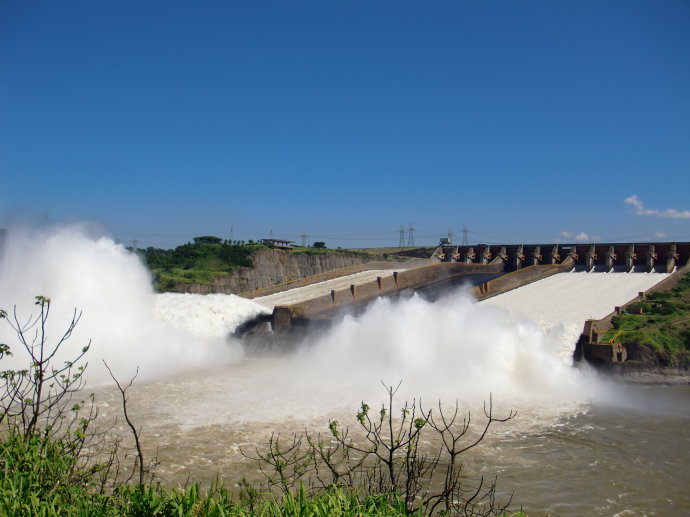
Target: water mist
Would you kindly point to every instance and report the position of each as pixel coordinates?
(127, 324)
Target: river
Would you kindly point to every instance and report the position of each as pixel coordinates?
(580, 443)
(626, 454)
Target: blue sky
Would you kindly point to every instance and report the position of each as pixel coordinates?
(525, 121)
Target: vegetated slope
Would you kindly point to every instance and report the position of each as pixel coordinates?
(659, 325)
(208, 257)
(197, 262)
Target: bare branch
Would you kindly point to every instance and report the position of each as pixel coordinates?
(135, 433)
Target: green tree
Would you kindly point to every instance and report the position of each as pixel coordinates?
(207, 239)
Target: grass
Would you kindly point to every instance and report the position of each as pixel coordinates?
(204, 268)
(663, 326)
(38, 478)
(165, 279)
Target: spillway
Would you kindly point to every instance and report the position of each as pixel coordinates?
(298, 294)
(579, 445)
(561, 303)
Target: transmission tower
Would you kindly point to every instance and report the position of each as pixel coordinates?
(410, 236)
(402, 237)
(450, 236)
(465, 231)
(304, 239)
(232, 234)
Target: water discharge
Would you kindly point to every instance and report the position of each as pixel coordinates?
(561, 303)
(200, 400)
(127, 324)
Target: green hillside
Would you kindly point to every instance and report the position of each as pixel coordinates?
(661, 322)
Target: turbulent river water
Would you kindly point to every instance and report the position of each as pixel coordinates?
(580, 443)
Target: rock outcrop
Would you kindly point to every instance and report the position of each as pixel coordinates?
(273, 267)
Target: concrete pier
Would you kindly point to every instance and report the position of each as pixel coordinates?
(662, 257)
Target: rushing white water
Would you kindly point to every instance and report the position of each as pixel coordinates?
(127, 324)
(561, 303)
(571, 450)
(443, 349)
(448, 348)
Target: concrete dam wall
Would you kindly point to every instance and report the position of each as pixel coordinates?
(278, 270)
(486, 280)
(660, 256)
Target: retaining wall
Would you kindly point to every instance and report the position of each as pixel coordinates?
(515, 279)
(433, 275)
(590, 347)
(330, 275)
(281, 270)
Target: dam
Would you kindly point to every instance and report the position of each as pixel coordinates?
(586, 273)
(580, 445)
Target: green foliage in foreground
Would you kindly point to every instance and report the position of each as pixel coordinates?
(37, 478)
(53, 462)
(663, 325)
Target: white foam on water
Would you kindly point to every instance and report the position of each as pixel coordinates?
(516, 346)
(128, 325)
(452, 347)
(213, 316)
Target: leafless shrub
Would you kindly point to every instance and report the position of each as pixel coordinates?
(388, 456)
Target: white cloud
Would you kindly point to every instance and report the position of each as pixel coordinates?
(639, 209)
(660, 235)
(580, 237)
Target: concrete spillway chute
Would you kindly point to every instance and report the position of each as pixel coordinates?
(673, 257)
(535, 257)
(485, 255)
(518, 257)
(610, 258)
(573, 255)
(591, 258)
(554, 255)
(501, 256)
(438, 254)
(651, 258)
(630, 258)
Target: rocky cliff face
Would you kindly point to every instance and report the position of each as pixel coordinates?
(275, 267)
